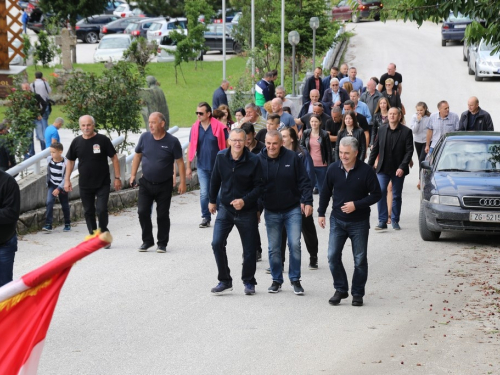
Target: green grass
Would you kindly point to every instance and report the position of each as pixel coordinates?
(183, 97)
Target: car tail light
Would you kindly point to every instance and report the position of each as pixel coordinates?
(446, 27)
(77, 27)
(159, 50)
(142, 15)
(123, 15)
(159, 33)
(136, 33)
(381, 5)
(104, 30)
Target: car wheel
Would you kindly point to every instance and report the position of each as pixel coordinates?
(476, 77)
(471, 72)
(443, 43)
(465, 58)
(377, 18)
(354, 17)
(425, 233)
(91, 37)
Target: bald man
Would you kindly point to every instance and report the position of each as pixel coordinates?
(307, 107)
(93, 150)
(475, 118)
(391, 73)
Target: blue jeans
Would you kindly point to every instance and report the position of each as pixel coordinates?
(357, 231)
(40, 132)
(320, 173)
(247, 225)
(7, 254)
(292, 221)
(63, 198)
(204, 176)
(397, 191)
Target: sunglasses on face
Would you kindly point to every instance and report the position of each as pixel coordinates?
(200, 113)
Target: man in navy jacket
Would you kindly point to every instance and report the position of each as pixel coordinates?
(355, 188)
(287, 194)
(237, 174)
(220, 96)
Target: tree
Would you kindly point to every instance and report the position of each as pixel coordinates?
(112, 99)
(483, 12)
(171, 8)
(45, 49)
(141, 53)
(70, 9)
(20, 116)
(297, 16)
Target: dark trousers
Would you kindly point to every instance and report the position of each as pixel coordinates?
(420, 150)
(95, 201)
(7, 254)
(162, 195)
(63, 198)
(247, 225)
(310, 237)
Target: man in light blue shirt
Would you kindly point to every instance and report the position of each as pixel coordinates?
(357, 84)
(51, 134)
(360, 107)
(440, 123)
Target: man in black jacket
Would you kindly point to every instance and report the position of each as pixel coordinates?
(394, 147)
(475, 119)
(313, 83)
(237, 174)
(220, 96)
(7, 158)
(10, 203)
(355, 188)
(287, 194)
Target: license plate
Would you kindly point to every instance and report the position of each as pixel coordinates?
(460, 26)
(485, 217)
(374, 7)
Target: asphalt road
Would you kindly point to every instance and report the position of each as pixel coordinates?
(125, 312)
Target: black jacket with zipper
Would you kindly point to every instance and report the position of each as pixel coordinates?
(324, 142)
(237, 179)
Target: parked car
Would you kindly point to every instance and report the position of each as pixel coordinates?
(453, 28)
(365, 10)
(140, 13)
(125, 10)
(213, 38)
(461, 185)
(167, 48)
(236, 18)
(481, 63)
(111, 48)
(140, 28)
(116, 27)
(87, 29)
(111, 6)
(163, 27)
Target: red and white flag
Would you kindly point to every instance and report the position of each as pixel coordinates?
(27, 305)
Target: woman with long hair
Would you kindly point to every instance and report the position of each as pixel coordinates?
(351, 128)
(380, 116)
(227, 120)
(419, 123)
(317, 143)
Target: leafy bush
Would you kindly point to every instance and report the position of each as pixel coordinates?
(45, 49)
(141, 52)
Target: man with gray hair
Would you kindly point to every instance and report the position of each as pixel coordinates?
(93, 150)
(334, 96)
(237, 178)
(252, 116)
(354, 187)
(371, 97)
(52, 133)
(220, 96)
(281, 93)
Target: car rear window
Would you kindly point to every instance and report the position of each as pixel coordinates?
(470, 156)
(155, 26)
(114, 43)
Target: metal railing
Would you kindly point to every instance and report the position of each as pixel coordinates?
(37, 159)
(129, 158)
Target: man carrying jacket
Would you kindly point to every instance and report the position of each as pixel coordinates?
(287, 194)
(475, 119)
(237, 174)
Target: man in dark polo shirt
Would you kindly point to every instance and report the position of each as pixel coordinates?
(333, 126)
(10, 203)
(92, 150)
(303, 122)
(391, 73)
(157, 150)
(355, 188)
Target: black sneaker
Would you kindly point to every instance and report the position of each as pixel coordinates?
(145, 246)
(161, 249)
(381, 226)
(221, 288)
(297, 288)
(357, 301)
(313, 263)
(249, 289)
(259, 256)
(205, 223)
(335, 300)
(315, 191)
(67, 228)
(47, 228)
(275, 287)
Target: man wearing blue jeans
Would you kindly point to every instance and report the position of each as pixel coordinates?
(287, 194)
(207, 137)
(394, 147)
(238, 176)
(355, 188)
(10, 203)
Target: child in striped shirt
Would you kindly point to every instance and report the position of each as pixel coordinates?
(56, 169)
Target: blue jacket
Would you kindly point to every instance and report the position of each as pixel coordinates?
(219, 98)
(286, 184)
(237, 179)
